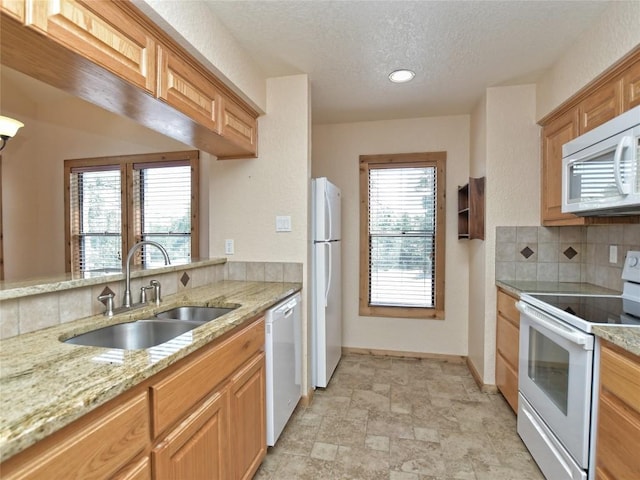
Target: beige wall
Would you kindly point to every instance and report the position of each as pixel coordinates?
(615, 33)
(336, 149)
(477, 248)
(32, 170)
(246, 195)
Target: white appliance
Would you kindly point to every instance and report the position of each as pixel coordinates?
(601, 169)
(559, 375)
(326, 296)
(283, 364)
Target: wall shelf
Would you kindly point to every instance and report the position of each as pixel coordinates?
(471, 209)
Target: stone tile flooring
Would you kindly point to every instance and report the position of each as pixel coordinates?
(400, 419)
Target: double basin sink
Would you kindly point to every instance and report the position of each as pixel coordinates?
(150, 332)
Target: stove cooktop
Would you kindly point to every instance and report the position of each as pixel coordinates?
(591, 309)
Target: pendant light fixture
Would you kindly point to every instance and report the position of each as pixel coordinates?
(8, 129)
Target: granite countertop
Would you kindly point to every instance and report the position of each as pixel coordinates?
(46, 384)
(627, 338)
(518, 287)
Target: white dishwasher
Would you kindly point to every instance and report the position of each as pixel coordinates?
(283, 362)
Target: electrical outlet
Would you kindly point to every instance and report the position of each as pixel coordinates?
(613, 254)
(228, 247)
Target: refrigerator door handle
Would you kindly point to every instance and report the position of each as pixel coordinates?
(328, 204)
(328, 279)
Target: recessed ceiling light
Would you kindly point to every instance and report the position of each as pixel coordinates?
(401, 76)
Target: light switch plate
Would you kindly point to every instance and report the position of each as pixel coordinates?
(613, 254)
(228, 247)
(283, 223)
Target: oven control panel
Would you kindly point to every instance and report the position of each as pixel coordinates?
(631, 279)
(631, 270)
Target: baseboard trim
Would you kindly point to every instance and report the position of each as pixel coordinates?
(401, 354)
(306, 400)
(484, 388)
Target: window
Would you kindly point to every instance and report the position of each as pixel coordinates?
(111, 203)
(402, 232)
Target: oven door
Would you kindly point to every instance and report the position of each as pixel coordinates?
(555, 376)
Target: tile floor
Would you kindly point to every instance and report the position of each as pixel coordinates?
(400, 419)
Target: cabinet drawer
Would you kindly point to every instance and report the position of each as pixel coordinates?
(172, 397)
(96, 450)
(101, 32)
(620, 375)
(508, 341)
(141, 470)
(507, 308)
(507, 381)
(618, 439)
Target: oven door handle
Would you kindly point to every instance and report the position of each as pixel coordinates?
(545, 321)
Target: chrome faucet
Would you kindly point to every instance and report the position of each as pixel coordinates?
(126, 303)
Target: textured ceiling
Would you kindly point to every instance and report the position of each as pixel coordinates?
(456, 48)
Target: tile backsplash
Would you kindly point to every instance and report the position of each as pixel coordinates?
(564, 254)
(35, 312)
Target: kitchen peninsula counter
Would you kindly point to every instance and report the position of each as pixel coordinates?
(46, 384)
(627, 338)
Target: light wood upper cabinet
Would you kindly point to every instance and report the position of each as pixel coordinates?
(101, 32)
(14, 8)
(507, 348)
(198, 447)
(615, 92)
(618, 434)
(554, 135)
(631, 87)
(238, 125)
(110, 54)
(248, 407)
(601, 106)
(185, 88)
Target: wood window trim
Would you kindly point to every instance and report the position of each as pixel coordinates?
(126, 163)
(437, 159)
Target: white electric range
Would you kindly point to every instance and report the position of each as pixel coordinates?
(558, 371)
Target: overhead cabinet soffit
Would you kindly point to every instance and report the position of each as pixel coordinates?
(113, 56)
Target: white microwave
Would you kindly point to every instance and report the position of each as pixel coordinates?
(601, 169)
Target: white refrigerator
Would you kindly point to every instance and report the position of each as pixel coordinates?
(326, 298)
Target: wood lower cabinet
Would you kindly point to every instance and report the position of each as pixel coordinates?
(199, 446)
(201, 418)
(247, 401)
(618, 435)
(94, 448)
(507, 347)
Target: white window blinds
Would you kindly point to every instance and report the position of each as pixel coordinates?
(162, 206)
(402, 233)
(96, 220)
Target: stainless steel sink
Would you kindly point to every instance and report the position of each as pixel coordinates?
(134, 335)
(194, 313)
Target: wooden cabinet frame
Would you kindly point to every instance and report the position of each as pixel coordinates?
(105, 52)
(612, 93)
